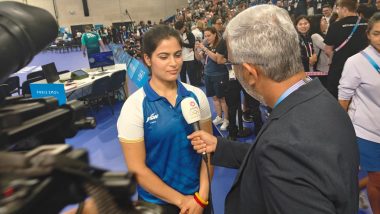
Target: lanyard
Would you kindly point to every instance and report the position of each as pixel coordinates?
(370, 60)
(309, 49)
(292, 89)
(349, 37)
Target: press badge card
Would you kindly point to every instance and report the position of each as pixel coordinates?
(49, 90)
(231, 72)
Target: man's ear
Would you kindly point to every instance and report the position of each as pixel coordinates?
(253, 73)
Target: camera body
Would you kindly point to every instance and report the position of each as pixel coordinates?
(46, 179)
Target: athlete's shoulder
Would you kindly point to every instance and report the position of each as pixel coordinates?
(197, 91)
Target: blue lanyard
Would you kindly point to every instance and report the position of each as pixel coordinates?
(284, 95)
(370, 60)
(349, 37)
(291, 90)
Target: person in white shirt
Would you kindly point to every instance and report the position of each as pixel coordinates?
(188, 42)
(318, 32)
(359, 95)
(197, 31)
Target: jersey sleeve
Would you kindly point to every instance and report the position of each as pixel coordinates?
(130, 124)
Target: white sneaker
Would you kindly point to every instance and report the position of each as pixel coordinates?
(218, 120)
(225, 124)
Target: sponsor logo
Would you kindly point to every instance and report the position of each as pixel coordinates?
(152, 118)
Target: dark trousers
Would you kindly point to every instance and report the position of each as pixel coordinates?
(189, 68)
(233, 102)
(254, 108)
(333, 80)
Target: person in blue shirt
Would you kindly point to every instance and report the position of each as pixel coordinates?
(153, 132)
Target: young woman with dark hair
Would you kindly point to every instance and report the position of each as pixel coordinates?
(153, 132)
(308, 56)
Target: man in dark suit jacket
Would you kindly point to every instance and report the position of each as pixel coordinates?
(305, 159)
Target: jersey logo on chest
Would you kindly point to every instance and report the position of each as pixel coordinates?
(152, 118)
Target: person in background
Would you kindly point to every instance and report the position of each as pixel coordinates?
(294, 165)
(188, 42)
(198, 34)
(216, 76)
(198, 31)
(152, 130)
(344, 38)
(306, 44)
(334, 18)
(91, 42)
(217, 23)
(300, 7)
(318, 31)
(327, 12)
(366, 11)
(359, 95)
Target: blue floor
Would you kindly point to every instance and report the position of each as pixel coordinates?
(102, 142)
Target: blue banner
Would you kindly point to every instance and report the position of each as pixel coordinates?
(49, 90)
(136, 70)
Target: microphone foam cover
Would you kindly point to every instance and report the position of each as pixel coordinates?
(190, 110)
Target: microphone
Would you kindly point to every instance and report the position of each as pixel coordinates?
(192, 115)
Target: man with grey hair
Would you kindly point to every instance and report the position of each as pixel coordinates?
(304, 159)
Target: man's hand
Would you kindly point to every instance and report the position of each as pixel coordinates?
(84, 54)
(190, 206)
(203, 141)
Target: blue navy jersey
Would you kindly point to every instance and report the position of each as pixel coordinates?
(149, 118)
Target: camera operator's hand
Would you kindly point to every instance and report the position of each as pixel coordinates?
(190, 206)
(203, 141)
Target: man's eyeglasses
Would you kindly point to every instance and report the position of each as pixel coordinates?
(218, 23)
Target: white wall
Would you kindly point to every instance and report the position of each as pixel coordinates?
(70, 12)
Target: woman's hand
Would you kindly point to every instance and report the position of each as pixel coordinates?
(313, 59)
(190, 206)
(203, 141)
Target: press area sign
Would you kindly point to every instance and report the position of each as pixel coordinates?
(49, 90)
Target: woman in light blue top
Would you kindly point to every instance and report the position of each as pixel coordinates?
(359, 94)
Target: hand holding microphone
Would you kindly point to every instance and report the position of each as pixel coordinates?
(202, 141)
